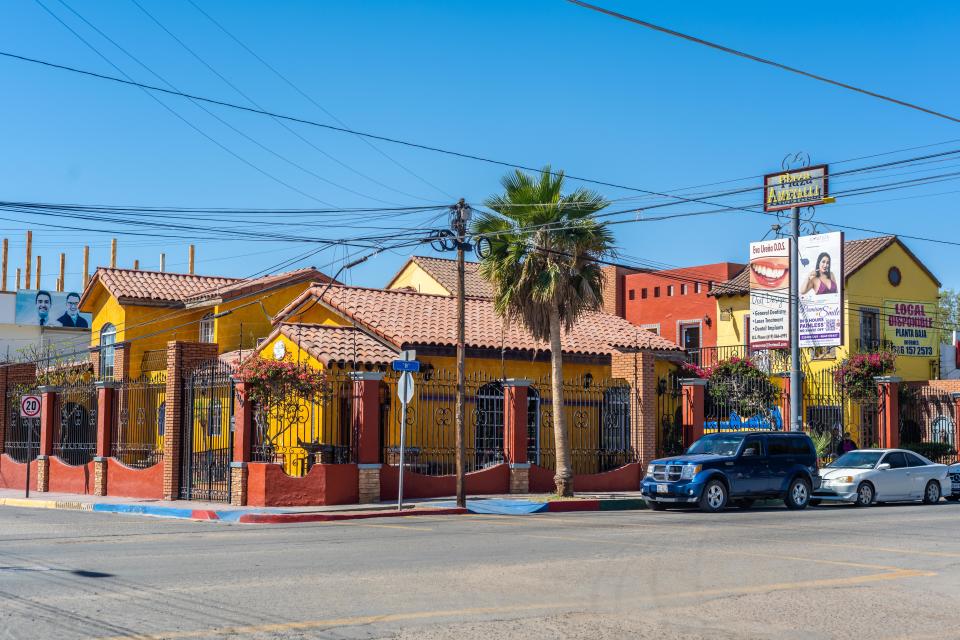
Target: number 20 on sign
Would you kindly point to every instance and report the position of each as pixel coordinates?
(30, 406)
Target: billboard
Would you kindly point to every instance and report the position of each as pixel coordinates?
(801, 188)
(50, 309)
(908, 326)
(769, 294)
(821, 290)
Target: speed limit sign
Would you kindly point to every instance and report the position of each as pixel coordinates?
(30, 407)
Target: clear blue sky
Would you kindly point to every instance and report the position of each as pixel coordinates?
(532, 82)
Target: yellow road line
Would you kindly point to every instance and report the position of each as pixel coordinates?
(461, 613)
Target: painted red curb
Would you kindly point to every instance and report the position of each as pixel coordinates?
(279, 518)
(203, 514)
(559, 506)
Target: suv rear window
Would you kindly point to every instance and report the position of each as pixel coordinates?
(799, 446)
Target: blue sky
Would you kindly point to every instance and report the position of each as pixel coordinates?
(528, 82)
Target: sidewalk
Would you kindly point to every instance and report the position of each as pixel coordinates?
(216, 511)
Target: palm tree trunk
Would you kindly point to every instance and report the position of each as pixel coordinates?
(564, 476)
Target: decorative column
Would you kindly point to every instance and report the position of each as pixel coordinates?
(515, 433)
(242, 445)
(105, 397)
(888, 392)
(956, 422)
(694, 408)
(785, 400)
(366, 424)
(48, 425)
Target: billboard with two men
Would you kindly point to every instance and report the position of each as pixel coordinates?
(44, 308)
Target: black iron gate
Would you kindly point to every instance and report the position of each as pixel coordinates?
(207, 446)
(23, 434)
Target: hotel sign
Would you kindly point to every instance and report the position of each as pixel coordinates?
(798, 188)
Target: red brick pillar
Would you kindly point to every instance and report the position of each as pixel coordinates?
(636, 367)
(182, 359)
(694, 409)
(366, 422)
(889, 411)
(785, 401)
(105, 397)
(49, 421)
(242, 445)
(515, 433)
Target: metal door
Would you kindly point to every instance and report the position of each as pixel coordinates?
(207, 434)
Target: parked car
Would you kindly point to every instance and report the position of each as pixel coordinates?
(736, 468)
(866, 476)
(953, 472)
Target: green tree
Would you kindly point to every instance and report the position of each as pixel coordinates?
(949, 312)
(540, 254)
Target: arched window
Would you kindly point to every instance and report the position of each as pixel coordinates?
(206, 328)
(488, 437)
(533, 425)
(108, 338)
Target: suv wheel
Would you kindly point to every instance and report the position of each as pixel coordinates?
(798, 495)
(714, 497)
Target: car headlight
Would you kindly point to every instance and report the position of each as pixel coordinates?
(650, 469)
(841, 480)
(690, 470)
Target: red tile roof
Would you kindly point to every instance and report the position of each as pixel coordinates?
(177, 289)
(336, 344)
(444, 271)
(407, 318)
(856, 254)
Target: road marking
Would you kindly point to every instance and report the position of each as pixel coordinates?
(461, 613)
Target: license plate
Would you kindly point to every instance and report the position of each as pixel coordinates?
(662, 488)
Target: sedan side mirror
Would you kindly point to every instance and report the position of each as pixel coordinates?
(883, 467)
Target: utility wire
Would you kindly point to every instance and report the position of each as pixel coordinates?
(750, 56)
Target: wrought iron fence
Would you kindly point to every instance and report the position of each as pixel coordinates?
(669, 415)
(22, 439)
(207, 433)
(298, 432)
(743, 403)
(431, 426)
(598, 425)
(76, 407)
(767, 360)
(828, 409)
(928, 422)
(139, 411)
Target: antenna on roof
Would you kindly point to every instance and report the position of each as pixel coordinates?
(163, 262)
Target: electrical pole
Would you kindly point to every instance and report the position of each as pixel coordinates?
(796, 400)
(461, 215)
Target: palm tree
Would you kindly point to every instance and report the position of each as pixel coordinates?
(540, 253)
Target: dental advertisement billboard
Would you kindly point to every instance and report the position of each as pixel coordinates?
(770, 294)
(821, 289)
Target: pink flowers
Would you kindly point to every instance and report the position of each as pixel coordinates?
(855, 375)
(275, 379)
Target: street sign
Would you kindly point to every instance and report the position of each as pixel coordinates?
(405, 387)
(30, 407)
(411, 366)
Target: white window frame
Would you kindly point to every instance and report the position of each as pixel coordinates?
(681, 324)
(655, 328)
(207, 328)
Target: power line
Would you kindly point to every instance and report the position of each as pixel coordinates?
(750, 56)
(322, 108)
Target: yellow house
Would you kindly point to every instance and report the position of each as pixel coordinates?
(425, 274)
(339, 329)
(136, 312)
(886, 288)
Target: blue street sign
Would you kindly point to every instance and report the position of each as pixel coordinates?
(411, 366)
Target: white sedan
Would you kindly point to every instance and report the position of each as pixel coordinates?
(866, 476)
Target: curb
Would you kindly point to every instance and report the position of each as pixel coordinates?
(286, 518)
(46, 504)
(601, 504)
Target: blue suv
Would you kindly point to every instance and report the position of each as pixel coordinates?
(735, 468)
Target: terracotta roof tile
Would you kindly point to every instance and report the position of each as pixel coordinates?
(405, 318)
(856, 253)
(334, 344)
(444, 271)
(176, 289)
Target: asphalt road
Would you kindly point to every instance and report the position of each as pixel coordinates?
(831, 572)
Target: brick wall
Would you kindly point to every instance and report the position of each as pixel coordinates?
(638, 370)
(613, 291)
(182, 359)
